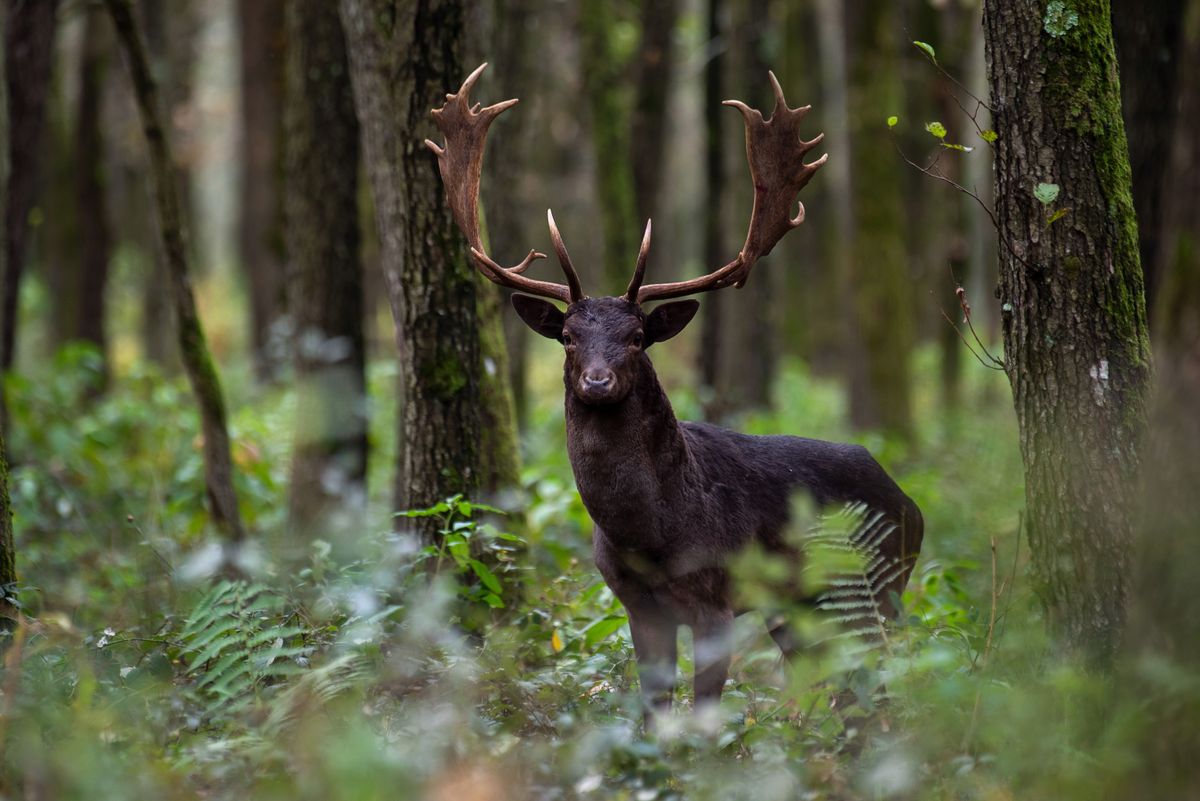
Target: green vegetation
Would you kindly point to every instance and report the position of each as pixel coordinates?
(335, 669)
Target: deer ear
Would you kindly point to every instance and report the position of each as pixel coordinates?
(669, 319)
(540, 315)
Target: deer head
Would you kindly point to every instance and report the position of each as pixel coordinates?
(605, 339)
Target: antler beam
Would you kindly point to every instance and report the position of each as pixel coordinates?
(460, 162)
(776, 153)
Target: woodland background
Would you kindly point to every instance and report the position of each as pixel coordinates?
(291, 510)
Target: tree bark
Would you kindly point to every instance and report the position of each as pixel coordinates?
(882, 286)
(1072, 303)
(197, 361)
(260, 225)
(29, 55)
(404, 60)
(649, 125)
(8, 551)
(1148, 38)
(609, 109)
(509, 213)
(95, 232)
(329, 463)
(713, 308)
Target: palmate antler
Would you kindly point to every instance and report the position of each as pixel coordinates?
(774, 150)
(460, 161)
(776, 155)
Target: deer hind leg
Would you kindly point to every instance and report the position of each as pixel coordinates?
(654, 643)
(712, 646)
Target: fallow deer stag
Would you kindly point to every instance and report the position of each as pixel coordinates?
(674, 501)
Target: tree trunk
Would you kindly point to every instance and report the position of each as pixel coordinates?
(715, 253)
(8, 551)
(260, 234)
(1148, 38)
(881, 282)
(95, 233)
(839, 177)
(171, 32)
(649, 126)
(329, 463)
(197, 361)
(28, 55)
(404, 60)
(509, 214)
(1073, 313)
(608, 103)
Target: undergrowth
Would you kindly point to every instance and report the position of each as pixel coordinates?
(495, 664)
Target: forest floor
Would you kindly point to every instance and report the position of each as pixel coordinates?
(331, 668)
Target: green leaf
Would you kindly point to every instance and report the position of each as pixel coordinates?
(1046, 193)
(927, 49)
(486, 576)
(1058, 215)
(953, 146)
(937, 129)
(892, 120)
(989, 136)
(601, 629)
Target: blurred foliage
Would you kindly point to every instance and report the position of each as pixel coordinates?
(497, 664)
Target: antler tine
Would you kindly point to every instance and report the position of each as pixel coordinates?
(564, 258)
(460, 163)
(775, 153)
(639, 272)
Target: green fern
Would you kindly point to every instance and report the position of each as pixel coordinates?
(237, 640)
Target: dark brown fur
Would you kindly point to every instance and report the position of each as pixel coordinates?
(672, 501)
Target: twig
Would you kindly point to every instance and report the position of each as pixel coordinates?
(978, 358)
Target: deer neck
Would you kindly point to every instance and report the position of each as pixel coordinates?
(629, 460)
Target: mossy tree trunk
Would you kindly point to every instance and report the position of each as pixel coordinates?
(1072, 303)
(262, 40)
(881, 287)
(329, 463)
(197, 361)
(404, 59)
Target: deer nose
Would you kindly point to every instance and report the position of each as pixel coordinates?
(598, 379)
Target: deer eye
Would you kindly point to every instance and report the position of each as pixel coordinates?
(566, 340)
(637, 340)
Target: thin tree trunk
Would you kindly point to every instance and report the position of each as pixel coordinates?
(329, 464)
(170, 34)
(649, 125)
(608, 105)
(197, 361)
(260, 234)
(1073, 314)
(404, 60)
(882, 285)
(831, 40)
(509, 213)
(95, 232)
(711, 339)
(8, 551)
(29, 55)
(1148, 38)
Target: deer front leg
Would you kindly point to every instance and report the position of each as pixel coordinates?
(655, 647)
(712, 646)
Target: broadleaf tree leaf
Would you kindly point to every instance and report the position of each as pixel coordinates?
(937, 129)
(989, 136)
(892, 120)
(1057, 215)
(1046, 193)
(927, 49)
